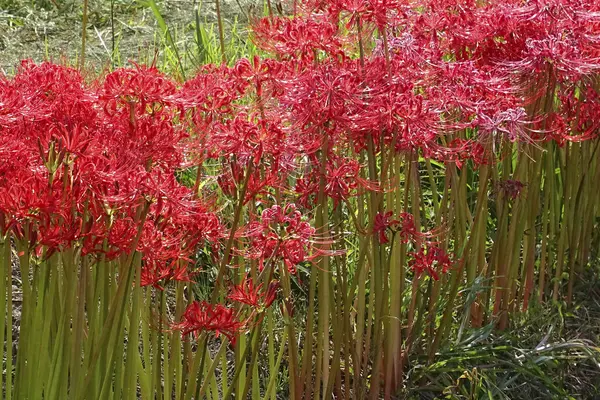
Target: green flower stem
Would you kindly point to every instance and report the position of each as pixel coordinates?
(234, 225)
(5, 282)
(270, 391)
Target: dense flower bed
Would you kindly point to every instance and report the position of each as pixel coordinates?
(397, 151)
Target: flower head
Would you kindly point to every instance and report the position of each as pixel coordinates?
(248, 293)
(204, 317)
(432, 260)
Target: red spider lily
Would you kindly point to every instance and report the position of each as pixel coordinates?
(394, 110)
(343, 181)
(261, 74)
(382, 13)
(248, 137)
(562, 51)
(140, 87)
(297, 37)
(408, 230)
(281, 235)
(204, 317)
(247, 293)
(511, 124)
(323, 96)
(210, 97)
(432, 259)
(74, 174)
(404, 226)
(230, 181)
(511, 188)
(459, 151)
(154, 273)
(577, 118)
(382, 223)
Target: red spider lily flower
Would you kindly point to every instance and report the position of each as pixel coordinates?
(432, 260)
(58, 233)
(459, 151)
(382, 223)
(562, 51)
(208, 98)
(204, 317)
(408, 230)
(154, 273)
(577, 118)
(511, 188)
(248, 137)
(344, 180)
(281, 235)
(120, 236)
(511, 124)
(247, 293)
(261, 74)
(140, 86)
(307, 188)
(73, 174)
(322, 97)
(298, 38)
(230, 181)
(404, 226)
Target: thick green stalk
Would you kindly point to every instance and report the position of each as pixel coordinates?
(166, 350)
(370, 317)
(176, 347)
(234, 225)
(211, 370)
(133, 337)
(362, 318)
(322, 223)
(533, 196)
(412, 189)
(24, 354)
(252, 346)
(270, 392)
(41, 318)
(445, 215)
(253, 361)
(295, 385)
(337, 293)
(307, 352)
(114, 320)
(562, 240)
(194, 378)
(471, 242)
(509, 257)
(5, 265)
(78, 327)
(378, 274)
(546, 223)
(145, 328)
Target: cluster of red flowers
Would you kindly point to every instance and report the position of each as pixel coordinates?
(91, 167)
